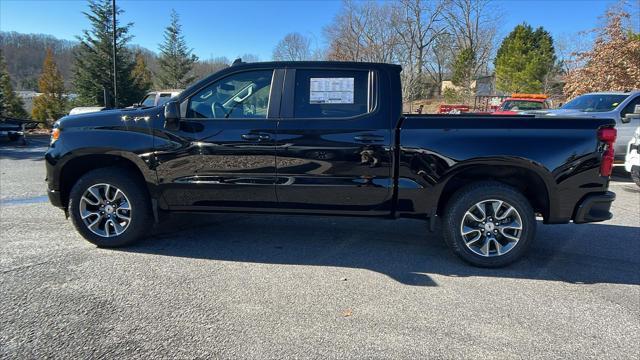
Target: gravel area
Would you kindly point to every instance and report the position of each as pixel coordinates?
(268, 286)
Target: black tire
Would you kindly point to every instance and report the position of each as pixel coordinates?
(141, 217)
(464, 200)
(635, 174)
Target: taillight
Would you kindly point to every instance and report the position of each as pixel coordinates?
(607, 136)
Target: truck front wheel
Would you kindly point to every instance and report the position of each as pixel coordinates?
(109, 207)
(489, 224)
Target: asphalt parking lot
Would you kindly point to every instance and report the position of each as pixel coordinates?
(256, 286)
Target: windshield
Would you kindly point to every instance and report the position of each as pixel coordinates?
(520, 105)
(164, 98)
(595, 102)
(148, 100)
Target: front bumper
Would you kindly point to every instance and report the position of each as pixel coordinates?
(633, 157)
(55, 198)
(594, 208)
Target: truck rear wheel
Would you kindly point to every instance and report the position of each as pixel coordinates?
(489, 224)
(109, 207)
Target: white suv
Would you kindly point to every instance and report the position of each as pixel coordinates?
(632, 160)
(156, 98)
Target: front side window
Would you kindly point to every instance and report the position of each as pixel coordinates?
(243, 95)
(521, 105)
(631, 107)
(331, 93)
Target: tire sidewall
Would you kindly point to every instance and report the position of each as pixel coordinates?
(465, 199)
(635, 174)
(138, 198)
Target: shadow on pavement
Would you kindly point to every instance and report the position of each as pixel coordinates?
(404, 249)
(620, 175)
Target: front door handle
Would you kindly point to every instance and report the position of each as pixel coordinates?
(258, 137)
(368, 138)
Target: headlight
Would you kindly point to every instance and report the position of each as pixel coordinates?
(55, 134)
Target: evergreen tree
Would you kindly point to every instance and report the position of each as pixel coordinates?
(93, 73)
(10, 104)
(176, 59)
(141, 76)
(51, 105)
(524, 59)
(463, 68)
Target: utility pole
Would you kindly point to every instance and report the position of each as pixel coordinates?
(115, 82)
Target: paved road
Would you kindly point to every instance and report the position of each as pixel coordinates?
(256, 286)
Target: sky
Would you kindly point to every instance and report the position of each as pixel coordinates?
(232, 28)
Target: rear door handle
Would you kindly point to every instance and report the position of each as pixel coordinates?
(368, 138)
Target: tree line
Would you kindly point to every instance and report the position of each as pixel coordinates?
(456, 40)
(56, 67)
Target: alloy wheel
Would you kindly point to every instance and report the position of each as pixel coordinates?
(491, 228)
(105, 210)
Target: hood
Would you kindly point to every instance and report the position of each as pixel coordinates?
(109, 118)
(571, 112)
(505, 112)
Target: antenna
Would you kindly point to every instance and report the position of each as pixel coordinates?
(237, 61)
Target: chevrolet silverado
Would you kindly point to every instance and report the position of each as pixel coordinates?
(329, 138)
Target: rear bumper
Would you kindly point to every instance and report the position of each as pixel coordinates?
(594, 208)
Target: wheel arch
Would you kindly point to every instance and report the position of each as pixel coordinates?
(74, 168)
(531, 183)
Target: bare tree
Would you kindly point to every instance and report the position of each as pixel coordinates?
(418, 24)
(473, 25)
(439, 59)
(363, 32)
(207, 67)
(293, 47)
(249, 58)
(568, 46)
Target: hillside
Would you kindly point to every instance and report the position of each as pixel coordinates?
(24, 54)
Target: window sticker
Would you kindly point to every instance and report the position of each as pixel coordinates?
(331, 91)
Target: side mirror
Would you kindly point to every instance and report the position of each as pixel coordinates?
(627, 118)
(172, 115)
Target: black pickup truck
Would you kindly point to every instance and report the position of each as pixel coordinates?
(329, 138)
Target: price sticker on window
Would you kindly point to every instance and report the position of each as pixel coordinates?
(331, 91)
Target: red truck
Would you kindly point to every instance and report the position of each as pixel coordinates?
(518, 103)
(453, 109)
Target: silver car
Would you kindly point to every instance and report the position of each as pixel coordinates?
(620, 106)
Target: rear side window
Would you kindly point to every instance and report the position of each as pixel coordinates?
(331, 93)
